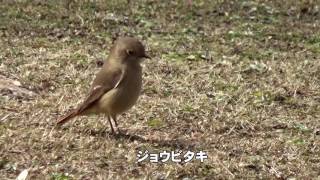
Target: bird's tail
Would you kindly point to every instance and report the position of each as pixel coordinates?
(67, 117)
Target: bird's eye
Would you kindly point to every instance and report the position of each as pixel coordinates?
(130, 52)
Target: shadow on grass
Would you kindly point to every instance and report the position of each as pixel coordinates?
(129, 136)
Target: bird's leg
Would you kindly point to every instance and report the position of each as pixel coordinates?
(114, 118)
(109, 119)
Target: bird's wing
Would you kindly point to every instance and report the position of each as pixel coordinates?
(101, 85)
(104, 82)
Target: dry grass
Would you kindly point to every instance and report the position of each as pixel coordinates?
(238, 79)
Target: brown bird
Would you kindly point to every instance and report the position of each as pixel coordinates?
(117, 86)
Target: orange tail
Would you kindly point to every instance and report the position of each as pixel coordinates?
(67, 117)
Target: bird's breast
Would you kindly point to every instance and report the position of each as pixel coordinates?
(124, 96)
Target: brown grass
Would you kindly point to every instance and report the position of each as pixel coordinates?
(238, 79)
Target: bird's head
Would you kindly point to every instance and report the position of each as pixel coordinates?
(128, 50)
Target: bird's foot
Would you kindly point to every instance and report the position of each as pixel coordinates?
(116, 132)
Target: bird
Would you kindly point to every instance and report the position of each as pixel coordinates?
(117, 85)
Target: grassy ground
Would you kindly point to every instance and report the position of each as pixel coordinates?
(237, 79)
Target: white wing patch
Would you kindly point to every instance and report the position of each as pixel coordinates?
(122, 74)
